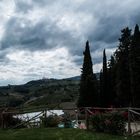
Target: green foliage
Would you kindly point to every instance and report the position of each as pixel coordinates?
(7, 120)
(21, 89)
(13, 101)
(67, 121)
(113, 122)
(50, 121)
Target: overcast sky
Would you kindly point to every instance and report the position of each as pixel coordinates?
(46, 38)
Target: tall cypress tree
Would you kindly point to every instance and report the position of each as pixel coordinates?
(101, 98)
(122, 69)
(111, 81)
(88, 92)
(105, 97)
(135, 67)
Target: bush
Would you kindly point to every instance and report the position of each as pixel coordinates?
(113, 122)
(7, 120)
(50, 121)
(67, 123)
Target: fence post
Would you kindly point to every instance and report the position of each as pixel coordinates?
(129, 121)
(86, 118)
(2, 120)
(76, 115)
(45, 118)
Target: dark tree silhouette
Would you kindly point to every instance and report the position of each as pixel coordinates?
(135, 67)
(101, 99)
(122, 69)
(120, 80)
(111, 81)
(104, 84)
(88, 92)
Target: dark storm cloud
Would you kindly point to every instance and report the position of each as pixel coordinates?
(22, 6)
(136, 18)
(55, 32)
(3, 58)
(43, 2)
(32, 38)
(111, 17)
(25, 7)
(43, 35)
(108, 30)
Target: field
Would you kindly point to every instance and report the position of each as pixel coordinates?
(57, 134)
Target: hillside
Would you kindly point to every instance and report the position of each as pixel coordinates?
(49, 92)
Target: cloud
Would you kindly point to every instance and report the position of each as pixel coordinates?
(24, 65)
(41, 26)
(22, 6)
(6, 10)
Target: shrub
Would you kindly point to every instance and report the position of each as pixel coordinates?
(67, 123)
(7, 120)
(50, 121)
(111, 122)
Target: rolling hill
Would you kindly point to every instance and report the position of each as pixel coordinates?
(50, 92)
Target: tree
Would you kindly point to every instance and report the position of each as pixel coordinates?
(120, 81)
(135, 67)
(88, 92)
(104, 84)
(111, 81)
(101, 99)
(122, 69)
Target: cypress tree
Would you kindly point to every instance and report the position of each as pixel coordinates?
(135, 67)
(101, 98)
(104, 78)
(111, 81)
(122, 69)
(88, 92)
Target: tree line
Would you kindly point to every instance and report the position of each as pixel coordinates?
(119, 84)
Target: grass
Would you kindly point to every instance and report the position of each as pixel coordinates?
(57, 134)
